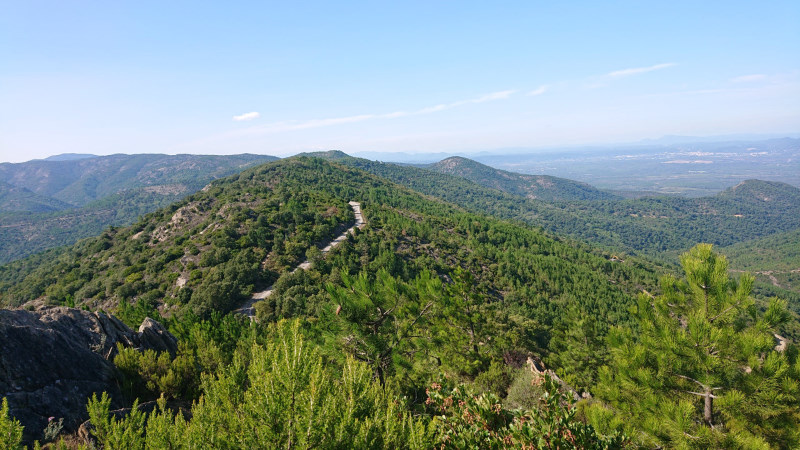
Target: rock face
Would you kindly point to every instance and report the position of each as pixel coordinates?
(154, 335)
(53, 359)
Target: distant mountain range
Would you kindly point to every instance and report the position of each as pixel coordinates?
(57, 202)
(694, 169)
(211, 250)
(69, 157)
(80, 179)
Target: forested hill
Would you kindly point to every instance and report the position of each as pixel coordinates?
(213, 249)
(50, 203)
(659, 227)
(542, 187)
(777, 194)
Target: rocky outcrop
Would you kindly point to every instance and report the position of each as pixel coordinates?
(155, 336)
(53, 359)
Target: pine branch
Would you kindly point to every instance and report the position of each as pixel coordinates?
(711, 320)
(704, 386)
(702, 394)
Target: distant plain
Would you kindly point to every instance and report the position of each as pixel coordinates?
(687, 169)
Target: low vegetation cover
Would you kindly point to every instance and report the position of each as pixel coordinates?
(285, 393)
(428, 328)
(10, 428)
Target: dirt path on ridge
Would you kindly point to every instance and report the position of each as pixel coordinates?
(248, 308)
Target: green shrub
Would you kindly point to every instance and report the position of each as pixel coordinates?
(148, 375)
(287, 396)
(464, 421)
(496, 379)
(524, 392)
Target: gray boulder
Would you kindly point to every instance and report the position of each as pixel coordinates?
(154, 335)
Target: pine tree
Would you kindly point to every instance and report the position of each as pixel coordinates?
(701, 370)
(382, 318)
(10, 428)
(578, 348)
(462, 326)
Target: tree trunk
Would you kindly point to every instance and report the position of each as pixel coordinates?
(708, 407)
(379, 375)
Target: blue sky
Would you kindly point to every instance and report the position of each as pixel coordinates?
(282, 77)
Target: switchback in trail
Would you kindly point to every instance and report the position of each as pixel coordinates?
(248, 307)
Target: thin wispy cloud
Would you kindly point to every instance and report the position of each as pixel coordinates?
(749, 78)
(610, 77)
(247, 116)
(277, 127)
(638, 70)
(538, 91)
(502, 95)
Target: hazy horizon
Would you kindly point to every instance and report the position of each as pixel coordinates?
(436, 155)
(280, 79)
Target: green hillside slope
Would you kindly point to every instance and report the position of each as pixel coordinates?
(777, 252)
(97, 192)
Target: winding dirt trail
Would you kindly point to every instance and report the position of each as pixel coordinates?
(248, 308)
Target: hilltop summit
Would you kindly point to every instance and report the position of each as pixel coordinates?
(540, 187)
(764, 191)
